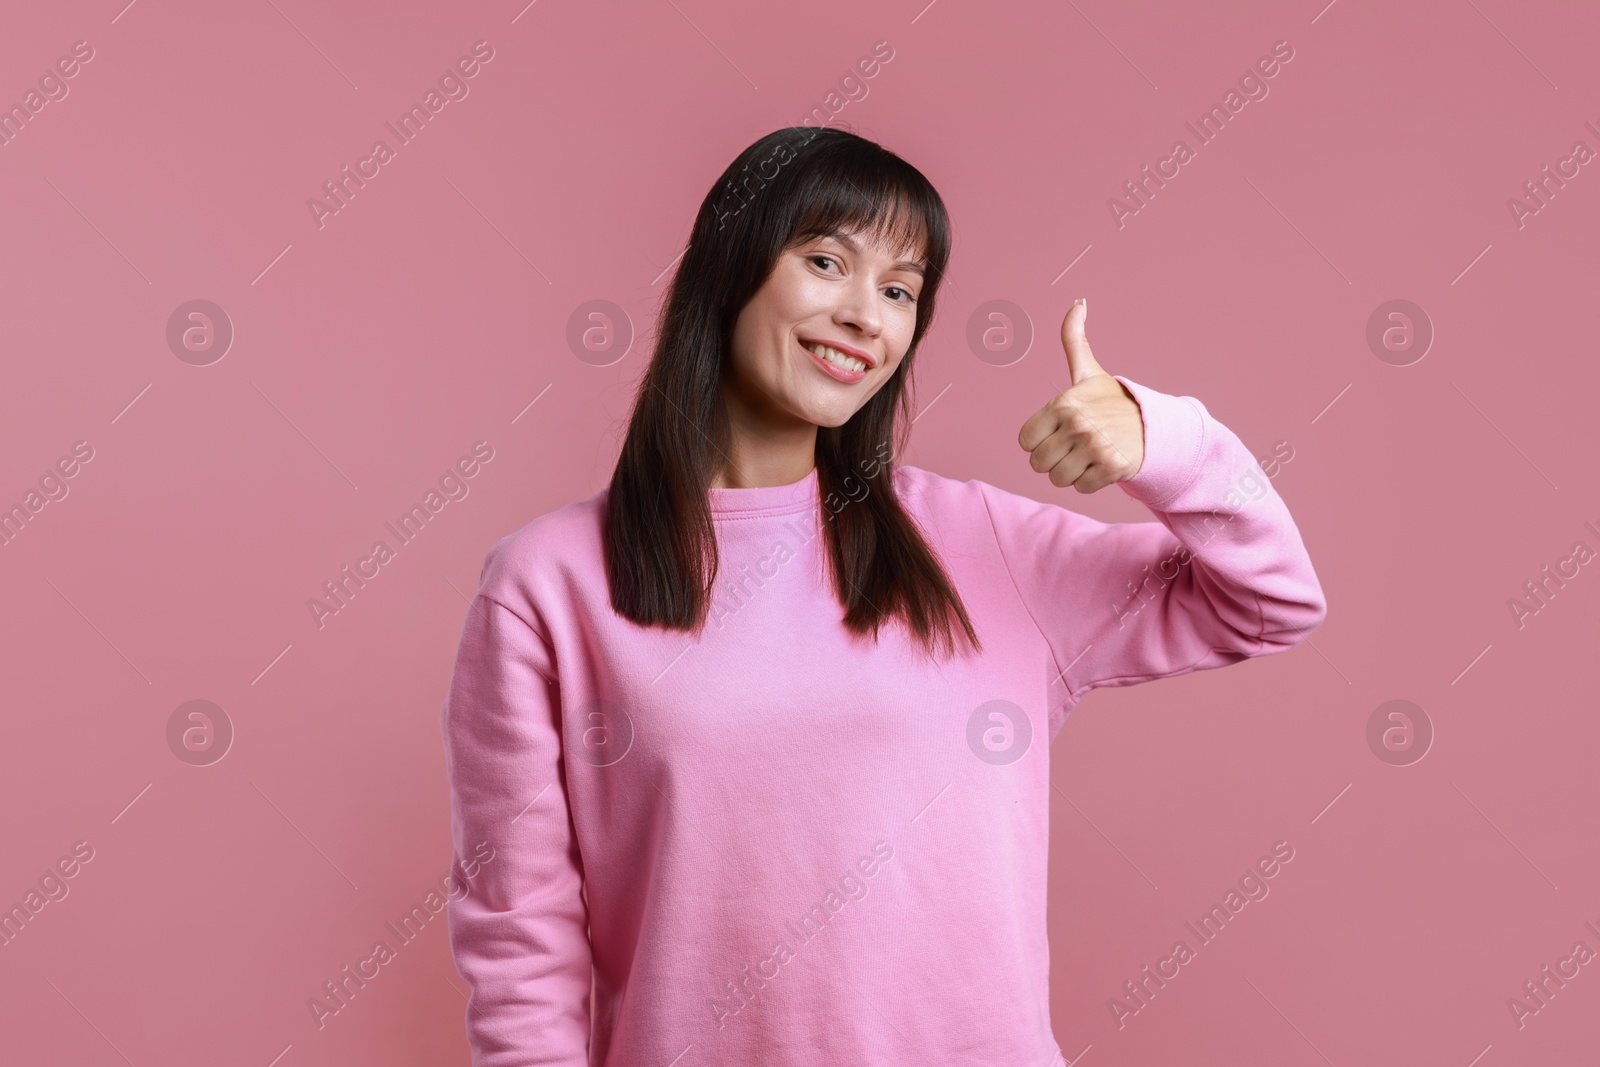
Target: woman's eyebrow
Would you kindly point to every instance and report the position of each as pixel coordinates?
(850, 243)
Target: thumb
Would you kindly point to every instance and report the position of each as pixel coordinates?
(1080, 361)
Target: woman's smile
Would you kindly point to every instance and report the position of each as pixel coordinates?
(836, 363)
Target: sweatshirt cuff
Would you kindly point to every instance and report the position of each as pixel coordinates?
(1174, 441)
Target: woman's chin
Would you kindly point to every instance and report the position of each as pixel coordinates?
(830, 417)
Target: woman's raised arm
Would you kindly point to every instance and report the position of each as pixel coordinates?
(1220, 576)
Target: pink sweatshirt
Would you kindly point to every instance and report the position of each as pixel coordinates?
(776, 845)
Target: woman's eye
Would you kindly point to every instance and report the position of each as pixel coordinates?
(906, 296)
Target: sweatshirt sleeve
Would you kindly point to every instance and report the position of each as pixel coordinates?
(1221, 574)
(519, 934)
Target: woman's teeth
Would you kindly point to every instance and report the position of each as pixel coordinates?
(840, 358)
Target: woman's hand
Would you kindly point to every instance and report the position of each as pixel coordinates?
(1093, 434)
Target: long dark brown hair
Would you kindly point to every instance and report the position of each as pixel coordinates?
(791, 186)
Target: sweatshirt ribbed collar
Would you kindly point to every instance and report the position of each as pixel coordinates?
(765, 499)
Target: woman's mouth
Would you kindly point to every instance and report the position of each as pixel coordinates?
(842, 367)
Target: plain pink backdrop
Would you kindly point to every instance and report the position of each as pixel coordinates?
(371, 353)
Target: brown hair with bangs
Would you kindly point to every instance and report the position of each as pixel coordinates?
(789, 187)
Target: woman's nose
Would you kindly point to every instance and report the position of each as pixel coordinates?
(859, 307)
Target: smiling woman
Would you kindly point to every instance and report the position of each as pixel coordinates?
(833, 303)
(844, 251)
(666, 796)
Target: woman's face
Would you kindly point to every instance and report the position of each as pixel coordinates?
(846, 291)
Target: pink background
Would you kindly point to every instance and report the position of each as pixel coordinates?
(371, 353)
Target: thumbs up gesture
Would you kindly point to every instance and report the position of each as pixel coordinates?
(1091, 435)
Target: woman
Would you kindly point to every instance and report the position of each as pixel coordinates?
(712, 725)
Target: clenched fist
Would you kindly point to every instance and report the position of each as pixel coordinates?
(1091, 435)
